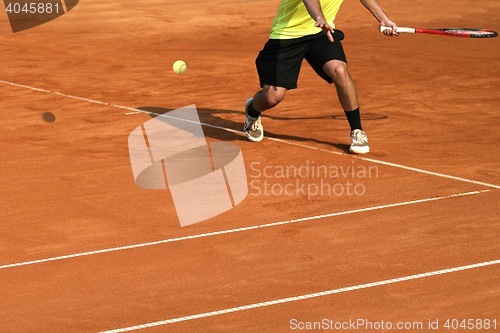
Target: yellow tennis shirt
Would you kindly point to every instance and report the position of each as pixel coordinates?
(293, 19)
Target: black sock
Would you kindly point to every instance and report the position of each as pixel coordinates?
(252, 112)
(354, 119)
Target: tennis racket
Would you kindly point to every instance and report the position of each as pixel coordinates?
(472, 33)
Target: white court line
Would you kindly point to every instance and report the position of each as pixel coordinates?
(128, 247)
(329, 151)
(303, 297)
(285, 300)
(442, 175)
(136, 111)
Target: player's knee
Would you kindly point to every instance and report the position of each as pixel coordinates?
(274, 95)
(274, 99)
(340, 74)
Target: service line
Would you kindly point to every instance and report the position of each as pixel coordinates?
(215, 233)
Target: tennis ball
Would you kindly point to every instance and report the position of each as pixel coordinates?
(179, 66)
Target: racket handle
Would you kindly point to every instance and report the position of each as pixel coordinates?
(399, 29)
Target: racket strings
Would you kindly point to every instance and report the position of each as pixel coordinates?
(471, 32)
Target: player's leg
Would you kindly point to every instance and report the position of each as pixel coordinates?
(267, 98)
(329, 62)
(346, 89)
(348, 97)
(278, 66)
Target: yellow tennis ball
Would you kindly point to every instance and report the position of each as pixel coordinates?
(179, 66)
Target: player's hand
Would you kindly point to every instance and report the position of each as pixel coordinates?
(327, 29)
(389, 32)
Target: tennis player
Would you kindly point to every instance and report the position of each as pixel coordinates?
(304, 29)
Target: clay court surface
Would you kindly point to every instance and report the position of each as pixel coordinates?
(84, 249)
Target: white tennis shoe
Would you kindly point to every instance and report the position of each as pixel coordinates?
(253, 127)
(359, 142)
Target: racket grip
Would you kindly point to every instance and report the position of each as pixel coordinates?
(400, 29)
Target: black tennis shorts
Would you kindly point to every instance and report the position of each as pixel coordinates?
(278, 64)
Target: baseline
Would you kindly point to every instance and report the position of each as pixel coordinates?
(303, 297)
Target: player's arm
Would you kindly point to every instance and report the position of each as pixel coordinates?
(374, 7)
(314, 9)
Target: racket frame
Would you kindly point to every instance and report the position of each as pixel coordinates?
(441, 32)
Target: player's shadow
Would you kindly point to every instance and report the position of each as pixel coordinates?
(221, 129)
